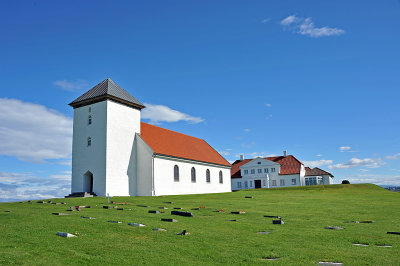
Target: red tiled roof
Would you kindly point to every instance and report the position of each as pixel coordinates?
(316, 171)
(289, 165)
(168, 142)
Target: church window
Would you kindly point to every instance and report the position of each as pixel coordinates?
(90, 120)
(245, 184)
(89, 141)
(176, 173)
(208, 178)
(193, 175)
(221, 178)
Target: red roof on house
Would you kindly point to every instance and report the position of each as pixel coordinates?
(289, 165)
(171, 143)
(316, 171)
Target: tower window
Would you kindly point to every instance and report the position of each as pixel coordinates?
(193, 175)
(89, 120)
(89, 141)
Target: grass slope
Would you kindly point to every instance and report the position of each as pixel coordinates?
(28, 231)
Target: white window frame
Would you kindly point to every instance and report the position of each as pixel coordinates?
(273, 183)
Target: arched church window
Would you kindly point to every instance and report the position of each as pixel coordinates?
(221, 179)
(208, 178)
(193, 175)
(176, 173)
(89, 141)
(90, 120)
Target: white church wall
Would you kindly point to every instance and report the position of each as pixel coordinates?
(89, 158)
(164, 183)
(123, 123)
(143, 169)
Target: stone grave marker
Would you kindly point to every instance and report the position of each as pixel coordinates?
(115, 222)
(270, 258)
(360, 244)
(154, 211)
(59, 213)
(248, 197)
(384, 246)
(163, 208)
(355, 222)
(183, 233)
(195, 209)
(333, 227)
(137, 224)
(280, 221)
(393, 233)
(177, 208)
(87, 217)
(231, 220)
(107, 207)
(159, 229)
(238, 212)
(272, 216)
(329, 263)
(63, 234)
(169, 202)
(169, 220)
(186, 214)
(366, 222)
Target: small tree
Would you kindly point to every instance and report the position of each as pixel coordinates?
(345, 182)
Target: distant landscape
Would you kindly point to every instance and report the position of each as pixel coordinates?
(366, 213)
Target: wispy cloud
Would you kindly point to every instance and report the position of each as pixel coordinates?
(268, 105)
(355, 162)
(393, 157)
(266, 20)
(317, 163)
(32, 132)
(71, 85)
(161, 113)
(305, 26)
(224, 153)
(344, 148)
(246, 130)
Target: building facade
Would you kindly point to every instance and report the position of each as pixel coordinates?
(116, 154)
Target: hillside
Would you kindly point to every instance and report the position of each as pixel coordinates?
(28, 230)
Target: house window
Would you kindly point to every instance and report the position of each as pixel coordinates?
(259, 171)
(272, 170)
(208, 179)
(245, 184)
(274, 183)
(246, 172)
(294, 181)
(239, 184)
(221, 178)
(193, 175)
(176, 173)
(282, 182)
(89, 141)
(252, 171)
(89, 120)
(251, 184)
(265, 170)
(264, 183)
(258, 162)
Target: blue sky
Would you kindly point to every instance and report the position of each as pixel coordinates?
(319, 79)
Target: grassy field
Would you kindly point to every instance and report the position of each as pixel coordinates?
(28, 230)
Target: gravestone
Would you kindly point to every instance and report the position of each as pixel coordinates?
(355, 222)
(270, 258)
(59, 213)
(87, 217)
(115, 222)
(183, 233)
(159, 229)
(137, 224)
(63, 203)
(153, 211)
(120, 209)
(333, 227)
(7, 211)
(272, 216)
(280, 221)
(186, 214)
(163, 208)
(359, 244)
(107, 207)
(366, 222)
(169, 202)
(144, 206)
(384, 246)
(263, 233)
(393, 233)
(329, 263)
(169, 220)
(195, 209)
(239, 212)
(231, 220)
(40, 201)
(63, 234)
(177, 208)
(248, 197)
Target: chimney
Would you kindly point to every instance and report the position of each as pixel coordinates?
(241, 157)
(284, 153)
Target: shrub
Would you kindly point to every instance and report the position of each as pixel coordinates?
(345, 182)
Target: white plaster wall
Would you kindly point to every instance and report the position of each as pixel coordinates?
(288, 180)
(123, 122)
(327, 179)
(164, 183)
(142, 184)
(91, 158)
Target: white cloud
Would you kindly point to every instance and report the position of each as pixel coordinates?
(344, 148)
(268, 105)
(266, 20)
(77, 85)
(355, 162)
(305, 26)
(224, 153)
(161, 113)
(268, 117)
(32, 132)
(317, 163)
(393, 157)
(319, 155)
(246, 130)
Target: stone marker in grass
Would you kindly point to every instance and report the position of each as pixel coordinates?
(183, 233)
(272, 216)
(59, 213)
(366, 222)
(163, 208)
(107, 207)
(87, 217)
(333, 227)
(177, 208)
(169, 220)
(263, 233)
(153, 211)
(159, 229)
(384, 246)
(115, 222)
(186, 214)
(137, 224)
(329, 263)
(354, 222)
(248, 197)
(280, 221)
(169, 202)
(238, 212)
(40, 201)
(393, 233)
(195, 209)
(271, 258)
(360, 244)
(144, 206)
(231, 220)
(63, 234)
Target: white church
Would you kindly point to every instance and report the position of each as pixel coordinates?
(114, 153)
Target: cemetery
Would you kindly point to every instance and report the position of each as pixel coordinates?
(286, 226)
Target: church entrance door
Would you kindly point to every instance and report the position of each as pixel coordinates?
(88, 182)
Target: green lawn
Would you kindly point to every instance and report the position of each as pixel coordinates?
(28, 231)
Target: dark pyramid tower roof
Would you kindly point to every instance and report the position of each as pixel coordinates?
(107, 89)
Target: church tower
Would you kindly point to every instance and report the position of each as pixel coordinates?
(106, 119)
